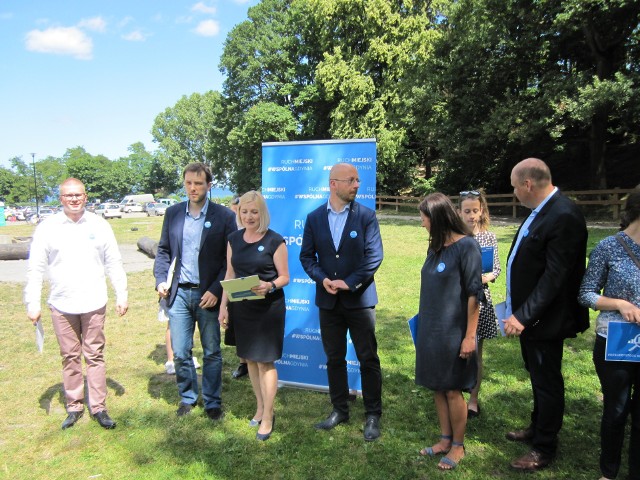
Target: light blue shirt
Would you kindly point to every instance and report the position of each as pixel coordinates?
(337, 221)
(191, 234)
(524, 231)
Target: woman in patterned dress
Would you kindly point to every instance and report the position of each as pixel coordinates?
(475, 213)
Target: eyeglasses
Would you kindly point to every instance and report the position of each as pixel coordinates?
(467, 193)
(72, 196)
(349, 181)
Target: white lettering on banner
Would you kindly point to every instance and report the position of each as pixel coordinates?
(298, 224)
(295, 356)
(299, 301)
(312, 330)
(303, 280)
(355, 160)
(311, 196)
(294, 308)
(292, 364)
(319, 189)
(273, 197)
(273, 189)
(293, 240)
(372, 197)
(289, 169)
(301, 336)
(291, 161)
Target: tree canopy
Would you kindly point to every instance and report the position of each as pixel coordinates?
(455, 92)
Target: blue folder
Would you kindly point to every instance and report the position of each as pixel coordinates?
(487, 259)
(623, 342)
(413, 328)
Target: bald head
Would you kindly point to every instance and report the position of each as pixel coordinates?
(535, 170)
(73, 198)
(69, 182)
(531, 181)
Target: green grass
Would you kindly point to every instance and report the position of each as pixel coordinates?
(151, 443)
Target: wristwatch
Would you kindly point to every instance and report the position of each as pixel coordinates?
(273, 289)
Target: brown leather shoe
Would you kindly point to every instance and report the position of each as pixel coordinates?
(520, 435)
(531, 462)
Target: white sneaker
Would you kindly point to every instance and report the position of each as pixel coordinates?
(195, 362)
(170, 368)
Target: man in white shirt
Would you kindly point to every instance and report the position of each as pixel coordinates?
(76, 248)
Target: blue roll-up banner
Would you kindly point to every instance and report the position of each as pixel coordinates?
(295, 181)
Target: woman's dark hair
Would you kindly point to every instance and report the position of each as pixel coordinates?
(631, 209)
(444, 220)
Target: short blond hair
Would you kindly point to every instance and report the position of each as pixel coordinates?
(258, 199)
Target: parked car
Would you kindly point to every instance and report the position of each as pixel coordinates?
(108, 210)
(156, 208)
(132, 207)
(45, 212)
(91, 207)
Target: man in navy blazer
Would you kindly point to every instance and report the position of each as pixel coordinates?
(341, 251)
(191, 261)
(544, 270)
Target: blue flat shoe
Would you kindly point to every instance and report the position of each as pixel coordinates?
(430, 452)
(263, 437)
(446, 463)
(254, 422)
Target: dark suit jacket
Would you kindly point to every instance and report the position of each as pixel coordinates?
(358, 256)
(212, 260)
(547, 270)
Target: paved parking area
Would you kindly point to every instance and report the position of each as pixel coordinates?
(133, 260)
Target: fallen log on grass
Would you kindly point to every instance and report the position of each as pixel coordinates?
(148, 246)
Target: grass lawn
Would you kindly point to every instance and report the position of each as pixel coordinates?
(151, 443)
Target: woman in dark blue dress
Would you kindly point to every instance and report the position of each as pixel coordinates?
(451, 286)
(259, 324)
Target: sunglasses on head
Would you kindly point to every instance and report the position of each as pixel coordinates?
(466, 193)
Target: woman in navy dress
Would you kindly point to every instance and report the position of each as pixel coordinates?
(259, 324)
(451, 286)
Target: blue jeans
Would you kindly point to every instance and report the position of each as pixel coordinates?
(183, 315)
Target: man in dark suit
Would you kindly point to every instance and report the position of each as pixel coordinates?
(191, 261)
(341, 251)
(544, 269)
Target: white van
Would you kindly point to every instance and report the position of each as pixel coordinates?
(168, 201)
(142, 199)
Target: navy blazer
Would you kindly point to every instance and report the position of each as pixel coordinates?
(356, 261)
(212, 259)
(547, 270)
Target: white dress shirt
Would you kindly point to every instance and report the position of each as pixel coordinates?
(76, 256)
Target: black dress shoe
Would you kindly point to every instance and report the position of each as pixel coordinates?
(371, 428)
(520, 435)
(214, 413)
(104, 420)
(71, 419)
(184, 409)
(532, 461)
(241, 371)
(335, 418)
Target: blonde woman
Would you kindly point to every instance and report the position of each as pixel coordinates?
(259, 324)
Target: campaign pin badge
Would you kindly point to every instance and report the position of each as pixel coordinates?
(441, 266)
(526, 233)
(207, 224)
(260, 248)
(353, 234)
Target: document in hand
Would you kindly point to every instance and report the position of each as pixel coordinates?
(487, 259)
(39, 336)
(623, 342)
(240, 288)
